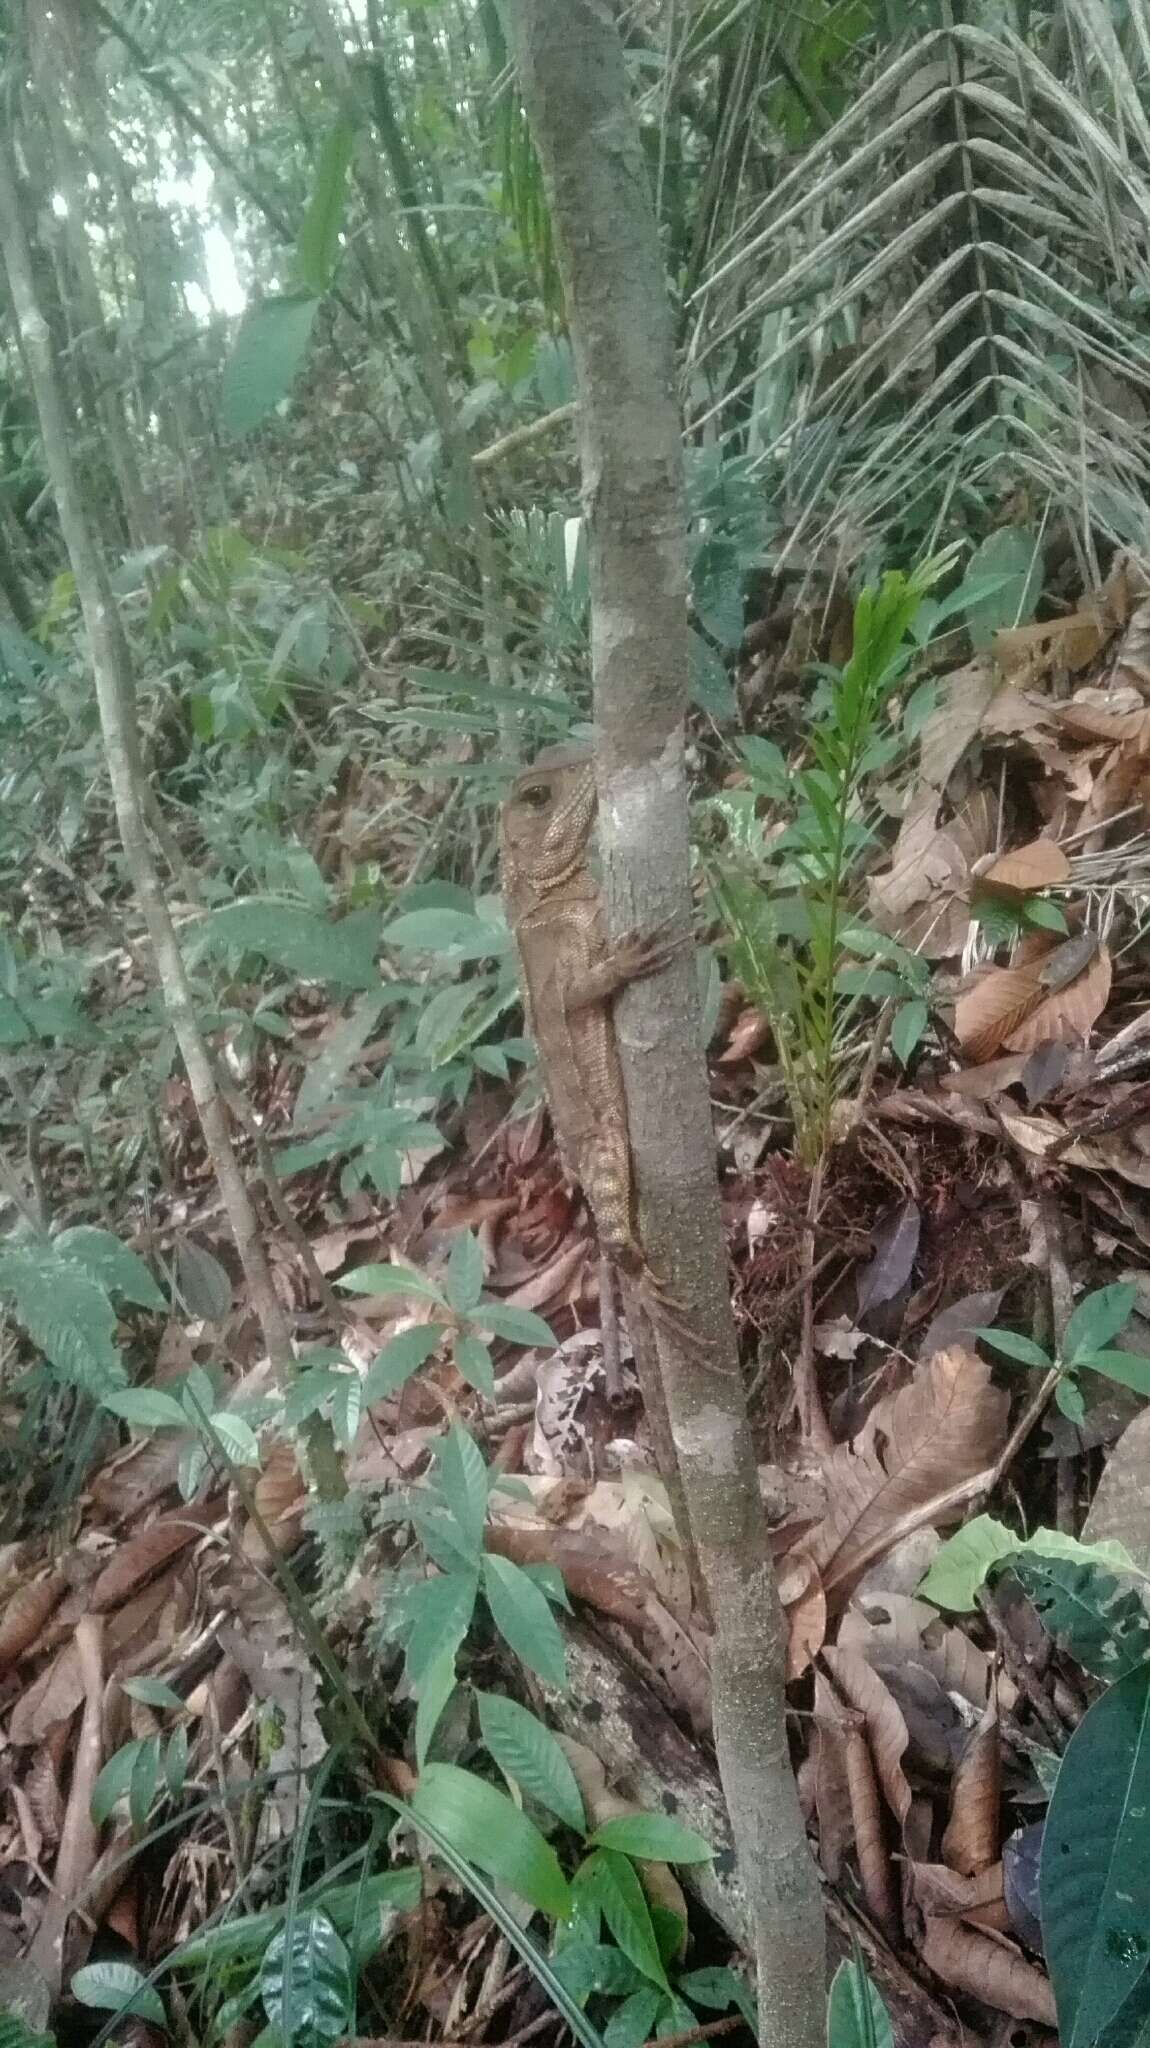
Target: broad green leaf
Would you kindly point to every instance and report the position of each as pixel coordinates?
(15, 2031)
(653, 1836)
(340, 952)
(265, 360)
(68, 1317)
(115, 1780)
(317, 249)
(516, 1325)
(526, 1749)
(1068, 1399)
(392, 1280)
(401, 1356)
(473, 1362)
(176, 1761)
(1016, 1346)
(119, 1988)
(236, 1437)
(1098, 1319)
(116, 1268)
(202, 1281)
(327, 1071)
(717, 1987)
(463, 1479)
(856, 2015)
(1094, 1882)
(145, 1779)
(347, 1405)
(1129, 1368)
(307, 1983)
(463, 1282)
(587, 1966)
(152, 1692)
(633, 2022)
(907, 1027)
(966, 1558)
(436, 1689)
(1013, 558)
(1102, 1624)
(440, 1610)
(484, 1826)
(524, 1619)
(245, 1937)
(146, 1408)
(460, 932)
(612, 1882)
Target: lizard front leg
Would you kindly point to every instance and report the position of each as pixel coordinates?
(634, 957)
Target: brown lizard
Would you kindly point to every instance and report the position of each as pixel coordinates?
(571, 974)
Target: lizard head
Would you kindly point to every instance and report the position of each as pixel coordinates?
(548, 815)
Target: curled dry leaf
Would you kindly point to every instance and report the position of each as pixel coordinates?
(972, 1841)
(26, 1613)
(914, 1448)
(827, 1778)
(805, 1604)
(887, 1732)
(889, 1627)
(876, 1868)
(1028, 654)
(1067, 1014)
(995, 1005)
(978, 1900)
(280, 1497)
(989, 1969)
(1040, 865)
(143, 1555)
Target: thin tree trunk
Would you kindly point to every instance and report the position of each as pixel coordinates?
(112, 667)
(575, 86)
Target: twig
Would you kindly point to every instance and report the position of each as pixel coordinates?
(874, 1055)
(808, 1400)
(77, 1852)
(1061, 1309)
(520, 437)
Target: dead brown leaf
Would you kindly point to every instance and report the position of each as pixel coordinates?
(1028, 654)
(989, 1969)
(876, 1867)
(978, 1900)
(913, 1449)
(1067, 1014)
(1040, 865)
(886, 1627)
(996, 1005)
(964, 697)
(26, 1613)
(827, 1778)
(973, 1838)
(805, 1605)
(144, 1554)
(982, 1084)
(887, 1732)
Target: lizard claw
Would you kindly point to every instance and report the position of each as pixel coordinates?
(642, 954)
(669, 1314)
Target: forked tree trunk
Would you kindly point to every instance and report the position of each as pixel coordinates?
(571, 62)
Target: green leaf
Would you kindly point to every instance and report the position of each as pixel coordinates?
(392, 1280)
(146, 1408)
(1094, 1882)
(15, 2032)
(1016, 1346)
(244, 1938)
(265, 359)
(594, 1966)
(119, 1988)
(460, 932)
(524, 1619)
(176, 1761)
(965, 1559)
(204, 1284)
(907, 1027)
(856, 2015)
(328, 1069)
(526, 1749)
(115, 1780)
(1129, 1368)
(1013, 558)
(435, 1690)
(347, 1406)
(145, 1779)
(1097, 1319)
(611, 1881)
(1102, 1624)
(473, 1361)
(68, 1317)
(653, 1836)
(339, 952)
(401, 1356)
(114, 1266)
(516, 1325)
(716, 1987)
(317, 249)
(440, 1612)
(307, 1983)
(152, 1692)
(463, 1478)
(1068, 1400)
(632, 2022)
(487, 1828)
(236, 1438)
(463, 1282)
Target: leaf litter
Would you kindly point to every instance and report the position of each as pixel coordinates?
(914, 1728)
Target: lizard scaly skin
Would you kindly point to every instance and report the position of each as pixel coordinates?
(571, 975)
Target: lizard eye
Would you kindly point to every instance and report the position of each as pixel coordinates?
(537, 795)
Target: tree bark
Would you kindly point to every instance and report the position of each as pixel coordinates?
(571, 62)
(112, 667)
